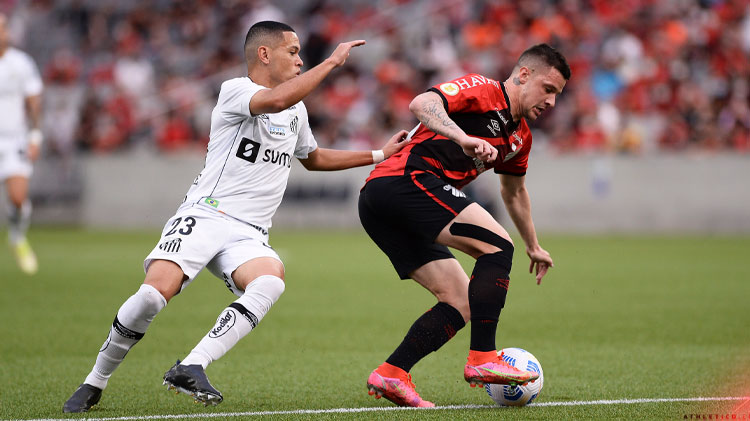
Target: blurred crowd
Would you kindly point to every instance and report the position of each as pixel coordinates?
(647, 75)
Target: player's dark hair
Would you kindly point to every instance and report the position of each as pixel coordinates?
(267, 28)
(548, 56)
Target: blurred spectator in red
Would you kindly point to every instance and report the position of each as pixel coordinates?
(176, 133)
(648, 75)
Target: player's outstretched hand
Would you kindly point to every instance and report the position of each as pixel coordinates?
(341, 53)
(396, 143)
(540, 259)
(478, 148)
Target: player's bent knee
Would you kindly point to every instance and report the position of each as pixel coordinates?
(166, 277)
(272, 286)
(500, 261)
(254, 268)
(482, 234)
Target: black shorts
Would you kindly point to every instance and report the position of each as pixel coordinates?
(405, 214)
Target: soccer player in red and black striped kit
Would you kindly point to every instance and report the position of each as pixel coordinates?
(413, 208)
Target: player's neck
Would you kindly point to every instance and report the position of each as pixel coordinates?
(513, 91)
(261, 78)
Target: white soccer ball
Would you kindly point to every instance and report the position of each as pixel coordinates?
(517, 395)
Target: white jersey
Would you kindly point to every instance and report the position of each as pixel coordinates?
(19, 78)
(249, 156)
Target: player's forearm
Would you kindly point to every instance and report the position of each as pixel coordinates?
(290, 92)
(34, 111)
(518, 205)
(429, 110)
(332, 160)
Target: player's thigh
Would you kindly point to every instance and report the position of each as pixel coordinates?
(17, 187)
(384, 212)
(475, 232)
(244, 258)
(189, 240)
(15, 169)
(447, 281)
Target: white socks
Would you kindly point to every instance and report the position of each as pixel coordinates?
(18, 221)
(139, 310)
(129, 326)
(237, 320)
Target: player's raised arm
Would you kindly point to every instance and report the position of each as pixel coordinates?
(323, 159)
(429, 109)
(289, 92)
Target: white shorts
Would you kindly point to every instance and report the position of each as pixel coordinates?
(199, 237)
(14, 158)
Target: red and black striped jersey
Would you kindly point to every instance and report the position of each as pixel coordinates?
(481, 108)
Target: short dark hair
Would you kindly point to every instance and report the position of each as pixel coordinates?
(548, 56)
(260, 32)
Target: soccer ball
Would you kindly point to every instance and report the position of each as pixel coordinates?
(517, 395)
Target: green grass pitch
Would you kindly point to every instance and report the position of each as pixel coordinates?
(619, 317)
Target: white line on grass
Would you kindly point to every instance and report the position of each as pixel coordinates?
(395, 408)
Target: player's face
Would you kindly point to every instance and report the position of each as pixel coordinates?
(285, 60)
(540, 91)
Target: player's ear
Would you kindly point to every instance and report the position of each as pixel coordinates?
(524, 73)
(264, 54)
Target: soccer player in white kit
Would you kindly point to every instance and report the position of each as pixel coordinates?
(258, 125)
(20, 140)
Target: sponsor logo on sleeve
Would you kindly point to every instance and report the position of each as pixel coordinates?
(450, 88)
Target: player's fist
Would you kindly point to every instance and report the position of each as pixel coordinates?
(478, 148)
(341, 53)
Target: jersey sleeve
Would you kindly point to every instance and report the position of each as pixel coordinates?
(305, 140)
(466, 94)
(234, 99)
(32, 84)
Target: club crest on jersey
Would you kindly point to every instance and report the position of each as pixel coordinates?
(450, 88)
(171, 246)
(515, 146)
(293, 126)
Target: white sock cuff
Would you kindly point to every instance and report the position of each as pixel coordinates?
(153, 297)
(271, 286)
(137, 312)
